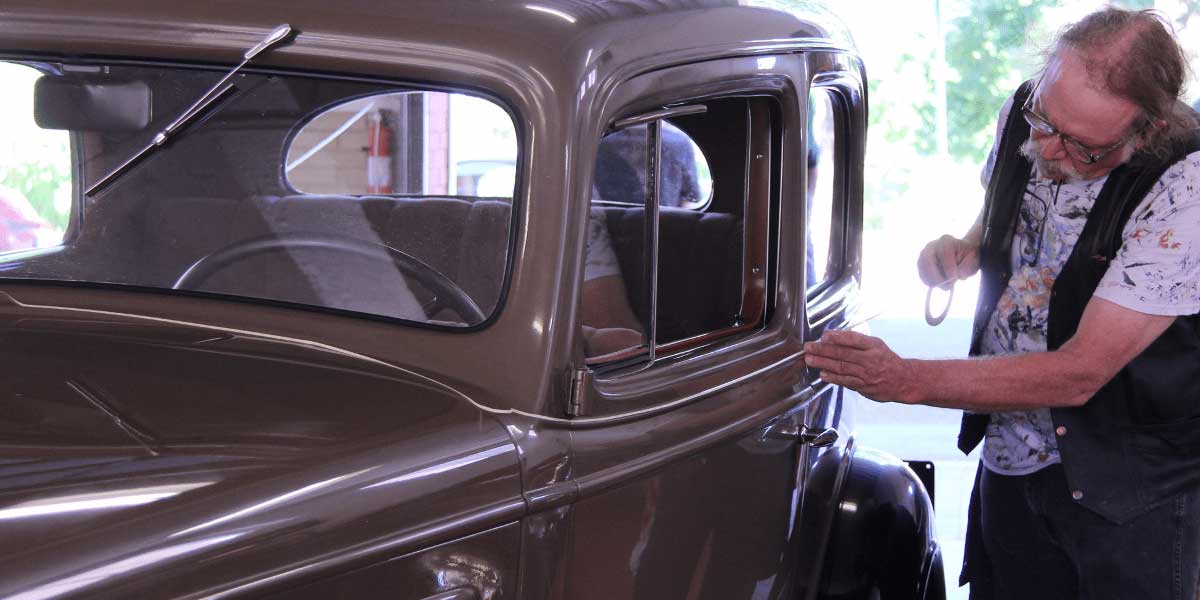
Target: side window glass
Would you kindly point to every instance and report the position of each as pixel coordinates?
(407, 143)
(615, 318)
(822, 197)
(621, 169)
(35, 169)
(685, 280)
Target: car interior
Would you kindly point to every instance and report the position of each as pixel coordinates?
(433, 258)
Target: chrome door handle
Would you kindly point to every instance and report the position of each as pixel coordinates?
(818, 438)
(782, 429)
(786, 429)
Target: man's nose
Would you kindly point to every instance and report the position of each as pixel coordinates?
(1052, 147)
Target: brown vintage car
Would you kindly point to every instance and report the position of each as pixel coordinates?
(437, 299)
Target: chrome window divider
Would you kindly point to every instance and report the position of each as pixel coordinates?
(653, 159)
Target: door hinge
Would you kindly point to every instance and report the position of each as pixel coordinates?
(581, 383)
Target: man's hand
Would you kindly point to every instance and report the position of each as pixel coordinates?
(864, 364)
(946, 260)
(1109, 336)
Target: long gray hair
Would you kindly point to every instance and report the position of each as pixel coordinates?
(1134, 55)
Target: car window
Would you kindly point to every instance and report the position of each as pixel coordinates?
(822, 199)
(342, 195)
(695, 275)
(35, 169)
(686, 181)
(412, 142)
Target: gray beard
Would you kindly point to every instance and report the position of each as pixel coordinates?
(1046, 169)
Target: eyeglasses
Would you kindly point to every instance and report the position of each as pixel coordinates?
(1039, 197)
(1076, 149)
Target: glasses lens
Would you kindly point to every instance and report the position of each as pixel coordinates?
(1077, 151)
(1073, 148)
(1037, 123)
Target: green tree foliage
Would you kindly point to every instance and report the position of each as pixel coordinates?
(38, 182)
(984, 51)
(902, 116)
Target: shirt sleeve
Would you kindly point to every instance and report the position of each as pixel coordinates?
(1157, 269)
(601, 260)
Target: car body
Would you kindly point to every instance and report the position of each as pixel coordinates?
(249, 370)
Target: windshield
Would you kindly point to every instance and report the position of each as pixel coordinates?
(348, 195)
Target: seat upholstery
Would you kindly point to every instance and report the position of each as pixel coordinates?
(699, 275)
(467, 241)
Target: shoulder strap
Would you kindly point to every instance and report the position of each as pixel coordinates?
(1010, 173)
(1001, 204)
(1005, 190)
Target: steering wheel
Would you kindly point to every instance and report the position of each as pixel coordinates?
(447, 293)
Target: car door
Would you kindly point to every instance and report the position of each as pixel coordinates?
(833, 190)
(834, 150)
(686, 441)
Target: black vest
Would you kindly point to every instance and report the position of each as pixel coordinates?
(1137, 440)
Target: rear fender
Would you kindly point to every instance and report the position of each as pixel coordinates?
(881, 542)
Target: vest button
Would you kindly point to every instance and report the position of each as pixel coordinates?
(1078, 495)
(1061, 431)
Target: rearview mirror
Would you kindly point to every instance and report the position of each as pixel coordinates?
(89, 103)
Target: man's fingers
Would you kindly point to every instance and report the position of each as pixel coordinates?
(848, 367)
(839, 360)
(928, 264)
(968, 260)
(849, 381)
(948, 261)
(849, 339)
(825, 363)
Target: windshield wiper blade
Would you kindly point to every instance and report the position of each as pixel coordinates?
(218, 91)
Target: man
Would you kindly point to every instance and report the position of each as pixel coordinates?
(621, 167)
(1089, 401)
(609, 324)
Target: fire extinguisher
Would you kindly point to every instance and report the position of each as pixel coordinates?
(379, 156)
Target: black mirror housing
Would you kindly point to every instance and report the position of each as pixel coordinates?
(89, 103)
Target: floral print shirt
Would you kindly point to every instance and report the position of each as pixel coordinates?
(1156, 271)
(601, 259)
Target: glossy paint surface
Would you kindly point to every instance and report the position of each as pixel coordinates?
(133, 447)
(159, 446)
(477, 567)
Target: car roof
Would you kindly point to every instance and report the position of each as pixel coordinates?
(546, 39)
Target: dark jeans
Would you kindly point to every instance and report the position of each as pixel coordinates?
(1041, 544)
